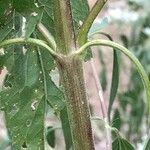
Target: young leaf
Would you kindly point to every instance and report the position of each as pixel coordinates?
(121, 144)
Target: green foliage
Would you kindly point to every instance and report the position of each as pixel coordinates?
(28, 88)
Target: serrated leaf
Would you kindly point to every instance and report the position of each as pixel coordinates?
(24, 106)
(121, 144)
(50, 136)
(24, 99)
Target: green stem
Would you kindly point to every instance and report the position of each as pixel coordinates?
(31, 41)
(82, 36)
(47, 35)
(124, 50)
(71, 70)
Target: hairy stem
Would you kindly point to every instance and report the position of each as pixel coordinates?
(63, 26)
(76, 102)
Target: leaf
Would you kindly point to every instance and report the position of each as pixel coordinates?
(24, 106)
(51, 136)
(48, 15)
(25, 97)
(6, 12)
(97, 26)
(24, 7)
(66, 128)
(32, 21)
(80, 10)
(147, 144)
(5, 30)
(53, 94)
(114, 83)
(116, 120)
(121, 144)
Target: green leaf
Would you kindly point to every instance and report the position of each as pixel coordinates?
(48, 15)
(53, 94)
(114, 83)
(121, 144)
(147, 144)
(6, 30)
(116, 121)
(97, 26)
(33, 20)
(24, 7)
(66, 128)
(24, 106)
(6, 12)
(28, 88)
(51, 136)
(80, 10)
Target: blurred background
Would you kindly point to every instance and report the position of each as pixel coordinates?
(128, 23)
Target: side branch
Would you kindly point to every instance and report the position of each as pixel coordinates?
(82, 36)
(31, 41)
(124, 50)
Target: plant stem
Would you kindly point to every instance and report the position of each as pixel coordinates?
(64, 33)
(82, 36)
(71, 71)
(31, 41)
